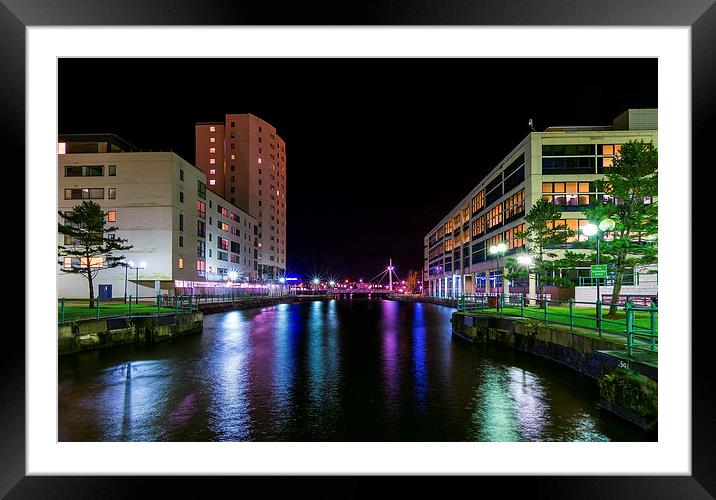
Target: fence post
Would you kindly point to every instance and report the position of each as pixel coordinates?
(97, 307)
(130, 306)
(62, 309)
(522, 306)
(502, 305)
(190, 305)
(629, 326)
(159, 303)
(571, 315)
(546, 310)
(652, 324)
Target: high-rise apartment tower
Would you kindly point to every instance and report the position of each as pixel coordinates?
(244, 160)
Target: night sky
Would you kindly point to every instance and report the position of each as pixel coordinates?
(377, 150)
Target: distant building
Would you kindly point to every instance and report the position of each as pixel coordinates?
(187, 235)
(244, 160)
(559, 165)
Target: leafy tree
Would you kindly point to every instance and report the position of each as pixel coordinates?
(91, 243)
(631, 186)
(543, 232)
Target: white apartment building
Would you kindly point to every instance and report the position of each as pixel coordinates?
(160, 205)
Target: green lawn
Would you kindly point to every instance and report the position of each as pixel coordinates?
(583, 317)
(79, 310)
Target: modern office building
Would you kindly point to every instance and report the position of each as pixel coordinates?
(182, 234)
(244, 160)
(560, 164)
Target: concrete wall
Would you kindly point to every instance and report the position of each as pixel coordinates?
(97, 334)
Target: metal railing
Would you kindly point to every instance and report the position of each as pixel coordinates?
(69, 310)
(636, 324)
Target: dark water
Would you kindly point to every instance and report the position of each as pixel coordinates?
(327, 371)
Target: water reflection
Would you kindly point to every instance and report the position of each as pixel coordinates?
(229, 418)
(361, 370)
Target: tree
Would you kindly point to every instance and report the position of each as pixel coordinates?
(543, 232)
(89, 243)
(631, 187)
(411, 282)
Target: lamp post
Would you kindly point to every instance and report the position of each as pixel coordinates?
(596, 230)
(526, 260)
(126, 269)
(499, 250)
(130, 265)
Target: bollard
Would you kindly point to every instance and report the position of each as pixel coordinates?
(189, 299)
(159, 303)
(130, 306)
(62, 310)
(97, 307)
(599, 316)
(571, 315)
(546, 310)
(522, 306)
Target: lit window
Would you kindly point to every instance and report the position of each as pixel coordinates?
(112, 216)
(181, 263)
(111, 193)
(212, 129)
(212, 161)
(212, 139)
(212, 150)
(259, 160)
(212, 171)
(61, 148)
(277, 192)
(212, 182)
(233, 157)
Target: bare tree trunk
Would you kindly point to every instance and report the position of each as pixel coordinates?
(91, 289)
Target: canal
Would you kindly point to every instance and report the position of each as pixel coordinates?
(347, 370)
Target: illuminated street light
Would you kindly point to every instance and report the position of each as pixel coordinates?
(233, 275)
(592, 230)
(525, 259)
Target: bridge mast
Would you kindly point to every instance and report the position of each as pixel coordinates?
(390, 276)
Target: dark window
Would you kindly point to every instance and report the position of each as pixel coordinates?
(201, 228)
(585, 165)
(201, 190)
(84, 171)
(181, 197)
(515, 179)
(112, 170)
(181, 222)
(181, 175)
(568, 150)
(181, 240)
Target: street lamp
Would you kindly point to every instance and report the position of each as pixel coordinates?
(130, 265)
(592, 230)
(526, 260)
(498, 250)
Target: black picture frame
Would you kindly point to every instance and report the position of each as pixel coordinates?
(16, 15)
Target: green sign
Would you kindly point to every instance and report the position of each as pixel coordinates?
(599, 271)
